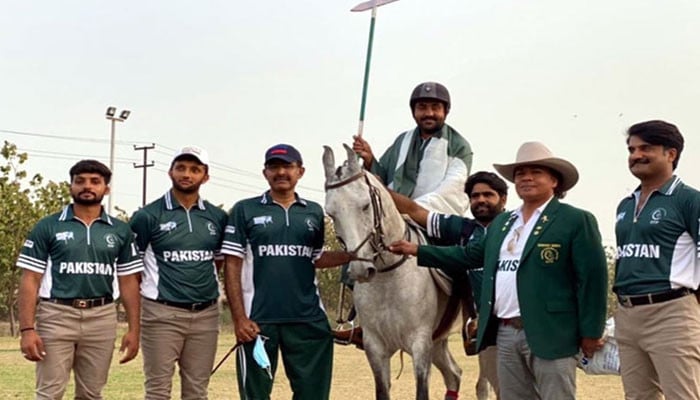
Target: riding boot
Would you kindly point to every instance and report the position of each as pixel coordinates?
(469, 336)
(349, 336)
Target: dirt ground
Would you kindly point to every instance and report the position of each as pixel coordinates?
(352, 378)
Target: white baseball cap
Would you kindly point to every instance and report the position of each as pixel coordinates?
(194, 151)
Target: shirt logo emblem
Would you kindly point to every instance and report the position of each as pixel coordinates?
(212, 228)
(657, 215)
(230, 229)
(310, 225)
(263, 220)
(65, 236)
(111, 240)
(28, 244)
(620, 217)
(168, 226)
(549, 252)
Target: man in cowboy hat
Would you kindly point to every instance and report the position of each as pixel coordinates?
(545, 279)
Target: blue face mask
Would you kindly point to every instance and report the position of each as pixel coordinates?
(260, 355)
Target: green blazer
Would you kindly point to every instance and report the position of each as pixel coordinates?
(561, 280)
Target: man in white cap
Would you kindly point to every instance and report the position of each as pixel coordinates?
(545, 279)
(180, 237)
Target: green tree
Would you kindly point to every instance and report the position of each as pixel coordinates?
(23, 201)
(329, 278)
(612, 299)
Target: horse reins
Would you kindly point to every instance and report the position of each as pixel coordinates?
(375, 237)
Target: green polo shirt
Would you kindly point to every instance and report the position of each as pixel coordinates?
(283, 245)
(658, 248)
(449, 230)
(78, 261)
(179, 247)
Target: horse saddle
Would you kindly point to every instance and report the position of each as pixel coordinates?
(441, 279)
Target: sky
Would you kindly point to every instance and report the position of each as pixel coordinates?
(237, 77)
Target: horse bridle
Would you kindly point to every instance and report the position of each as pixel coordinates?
(375, 237)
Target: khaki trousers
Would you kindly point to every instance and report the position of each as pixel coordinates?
(78, 339)
(172, 335)
(660, 349)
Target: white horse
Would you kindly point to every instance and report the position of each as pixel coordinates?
(398, 302)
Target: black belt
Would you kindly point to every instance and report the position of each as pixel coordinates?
(652, 298)
(186, 306)
(515, 322)
(81, 303)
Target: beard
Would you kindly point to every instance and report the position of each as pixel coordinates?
(87, 202)
(186, 189)
(431, 130)
(485, 213)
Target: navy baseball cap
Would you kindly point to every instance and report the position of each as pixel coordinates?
(284, 152)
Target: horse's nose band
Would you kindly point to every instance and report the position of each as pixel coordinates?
(375, 237)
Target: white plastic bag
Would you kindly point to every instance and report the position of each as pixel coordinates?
(605, 361)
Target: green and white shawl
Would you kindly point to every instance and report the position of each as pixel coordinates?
(432, 172)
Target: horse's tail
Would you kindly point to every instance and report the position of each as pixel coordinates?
(462, 298)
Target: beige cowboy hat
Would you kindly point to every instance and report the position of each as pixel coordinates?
(536, 153)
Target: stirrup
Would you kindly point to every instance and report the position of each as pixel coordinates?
(341, 328)
(469, 336)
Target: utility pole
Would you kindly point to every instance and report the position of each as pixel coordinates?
(145, 165)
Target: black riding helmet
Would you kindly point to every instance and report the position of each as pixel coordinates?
(430, 91)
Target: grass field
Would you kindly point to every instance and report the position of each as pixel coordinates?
(352, 379)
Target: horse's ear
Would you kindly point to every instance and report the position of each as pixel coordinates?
(328, 162)
(352, 158)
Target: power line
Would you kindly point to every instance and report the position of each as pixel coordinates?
(218, 165)
(216, 180)
(121, 142)
(60, 137)
(68, 156)
(65, 156)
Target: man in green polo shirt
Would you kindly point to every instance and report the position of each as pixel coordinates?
(180, 236)
(75, 264)
(273, 244)
(657, 324)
